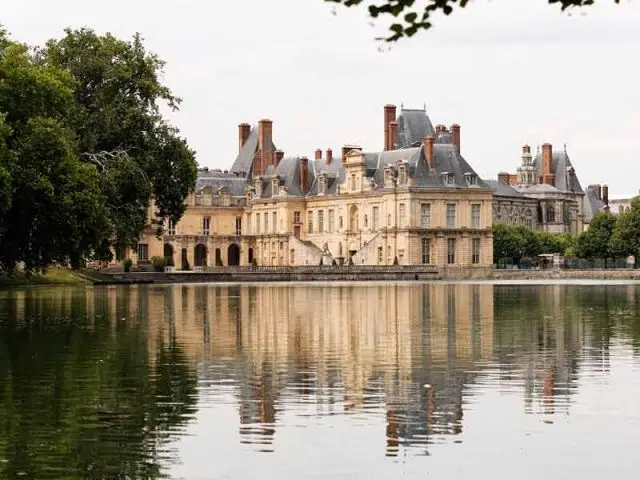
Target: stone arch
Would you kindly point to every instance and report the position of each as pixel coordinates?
(168, 254)
(184, 259)
(251, 255)
(218, 258)
(200, 255)
(353, 218)
(233, 255)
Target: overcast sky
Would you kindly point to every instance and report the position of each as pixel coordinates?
(508, 71)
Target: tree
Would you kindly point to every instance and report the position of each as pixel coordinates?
(119, 93)
(412, 18)
(506, 244)
(625, 239)
(596, 242)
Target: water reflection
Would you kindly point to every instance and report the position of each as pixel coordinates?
(102, 382)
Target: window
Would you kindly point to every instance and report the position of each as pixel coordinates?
(425, 215)
(376, 218)
(402, 215)
(471, 178)
(292, 257)
(551, 214)
(475, 215)
(340, 222)
(275, 187)
(353, 182)
(380, 253)
(331, 221)
(143, 252)
(321, 184)
(296, 217)
(448, 178)
(320, 221)
(266, 222)
(171, 229)
(206, 223)
(310, 222)
(475, 251)
(238, 225)
(366, 221)
(258, 223)
(426, 251)
(274, 224)
(451, 215)
(528, 221)
(402, 174)
(451, 251)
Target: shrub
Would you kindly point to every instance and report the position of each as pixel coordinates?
(254, 263)
(158, 263)
(126, 264)
(334, 263)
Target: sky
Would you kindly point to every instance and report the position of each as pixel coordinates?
(509, 72)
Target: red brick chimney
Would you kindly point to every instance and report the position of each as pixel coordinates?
(279, 156)
(265, 146)
(504, 178)
(597, 189)
(428, 151)
(393, 135)
(318, 154)
(304, 174)
(329, 156)
(243, 133)
(389, 116)
(455, 135)
(548, 176)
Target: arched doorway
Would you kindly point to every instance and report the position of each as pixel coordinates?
(250, 256)
(168, 255)
(218, 258)
(233, 255)
(200, 255)
(185, 261)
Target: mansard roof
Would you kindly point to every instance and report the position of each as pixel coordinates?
(591, 205)
(502, 190)
(413, 126)
(243, 164)
(216, 179)
(288, 173)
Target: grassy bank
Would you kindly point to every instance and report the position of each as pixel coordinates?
(52, 277)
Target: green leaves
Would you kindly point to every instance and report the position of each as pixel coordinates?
(419, 19)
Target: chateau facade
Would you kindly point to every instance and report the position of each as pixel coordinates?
(416, 202)
(545, 194)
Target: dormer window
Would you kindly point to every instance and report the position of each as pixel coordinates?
(257, 185)
(448, 178)
(388, 177)
(471, 178)
(322, 184)
(275, 186)
(402, 174)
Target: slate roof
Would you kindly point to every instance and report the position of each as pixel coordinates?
(502, 190)
(413, 126)
(591, 205)
(560, 164)
(244, 161)
(217, 179)
(288, 172)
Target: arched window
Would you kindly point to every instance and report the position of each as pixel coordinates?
(550, 214)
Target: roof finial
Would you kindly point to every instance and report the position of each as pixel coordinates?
(565, 147)
(424, 106)
(401, 105)
(538, 150)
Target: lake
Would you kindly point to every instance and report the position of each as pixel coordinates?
(376, 381)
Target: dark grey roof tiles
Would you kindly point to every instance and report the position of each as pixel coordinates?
(502, 190)
(591, 205)
(562, 167)
(413, 126)
(216, 180)
(244, 161)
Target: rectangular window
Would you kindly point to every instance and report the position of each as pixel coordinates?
(353, 182)
(425, 215)
(331, 221)
(171, 230)
(266, 222)
(451, 251)
(376, 218)
(143, 252)
(206, 223)
(274, 225)
(258, 223)
(426, 251)
(380, 256)
(475, 215)
(320, 221)
(296, 217)
(402, 213)
(310, 222)
(238, 225)
(475, 250)
(451, 215)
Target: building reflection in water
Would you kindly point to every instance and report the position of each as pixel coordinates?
(410, 355)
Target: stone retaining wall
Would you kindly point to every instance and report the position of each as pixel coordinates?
(595, 274)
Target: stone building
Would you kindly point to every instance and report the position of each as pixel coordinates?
(416, 202)
(545, 194)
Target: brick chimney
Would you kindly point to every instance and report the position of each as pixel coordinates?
(389, 116)
(279, 156)
(428, 151)
(455, 135)
(345, 149)
(605, 194)
(597, 189)
(243, 133)
(548, 176)
(265, 155)
(304, 174)
(329, 156)
(504, 178)
(393, 135)
(318, 154)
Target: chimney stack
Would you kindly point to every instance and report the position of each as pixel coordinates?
(304, 174)
(605, 194)
(243, 133)
(597, 189)
(428, 151)
(504, 178)
(265, 145)
(318, 154)
(393, 135)
(389, 116)
(329, 156)
(455, 135)
(345, 149)
(279, 156)
(547, 164)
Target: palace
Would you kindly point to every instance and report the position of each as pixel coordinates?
(416, 202)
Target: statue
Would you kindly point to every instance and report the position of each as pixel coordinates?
(325, 250)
